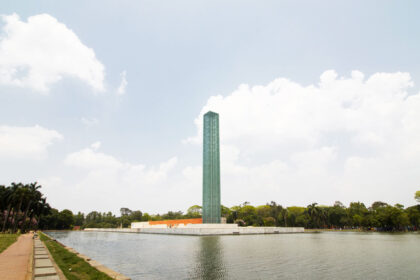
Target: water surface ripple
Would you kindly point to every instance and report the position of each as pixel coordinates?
(280, 256)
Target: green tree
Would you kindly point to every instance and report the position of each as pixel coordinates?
(357, 212)
(269, 221)
(7, 202)
(194, 211)
(313, 212)
(392, 218)
(248, 214)
(19, 195)
(263, 211)
(65, 219)
(42, 208)
(79, 219)
(337, 215)
(417, 196)
(225, 211)
(172, 215)
(32, 197)
(20, 205)
(413, 213)
(378, 204)
(146, 217)
(136, 216)
(125, 211)
(279, 213)
(293, 213)
(50, 220)
(125, 221)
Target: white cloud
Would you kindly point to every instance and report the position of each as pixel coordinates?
(26, 142)
(123, 84)
(112, 183)
(94, 161)
(89, 122)
(343, 139)
(90, 159)
(95, 146)
(347, 139)
(40, 52)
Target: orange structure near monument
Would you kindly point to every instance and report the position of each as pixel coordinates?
(171, 223)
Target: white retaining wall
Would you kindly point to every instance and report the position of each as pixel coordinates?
(205, 230)
(143, 225)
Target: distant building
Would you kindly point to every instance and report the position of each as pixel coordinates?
(167, 223)
(211, 169)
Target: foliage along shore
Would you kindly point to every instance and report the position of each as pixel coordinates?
(25, 208)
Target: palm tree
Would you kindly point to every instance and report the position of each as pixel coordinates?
(313, 212)
(7, 200)
(18, 202)
(42, 208)
(32, 196)
(20, 194)
(3, 200)
(10, 198)
(323, 216)
(284, 214)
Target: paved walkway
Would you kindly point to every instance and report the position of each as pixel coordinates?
(15, 261)
(44, 265)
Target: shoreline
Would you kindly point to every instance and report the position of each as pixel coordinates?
(93, 263)
(310, 230)
(306, 230)
(205, 230)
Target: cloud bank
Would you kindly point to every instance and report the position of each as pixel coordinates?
(342, 139)
(107, 183)
(38, 53)
(29, 142)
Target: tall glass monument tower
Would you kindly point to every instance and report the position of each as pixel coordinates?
(211, 169)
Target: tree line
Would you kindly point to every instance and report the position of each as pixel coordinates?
(22, 206)
(25, 208)
(379, 216)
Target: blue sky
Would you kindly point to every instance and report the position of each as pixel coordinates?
(177, 56)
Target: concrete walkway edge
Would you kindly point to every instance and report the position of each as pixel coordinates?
(44, 266)
(111, 273)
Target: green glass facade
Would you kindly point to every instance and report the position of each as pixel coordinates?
(211, 169)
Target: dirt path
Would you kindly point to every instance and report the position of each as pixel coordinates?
(15, 260)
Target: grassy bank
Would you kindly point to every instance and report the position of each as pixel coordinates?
(6, 240)
(73, 267)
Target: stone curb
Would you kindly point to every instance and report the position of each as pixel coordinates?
(43, 264)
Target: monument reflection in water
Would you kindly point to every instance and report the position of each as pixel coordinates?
(210, 262)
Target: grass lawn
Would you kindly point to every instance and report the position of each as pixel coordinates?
(6, 240)
(73, 267)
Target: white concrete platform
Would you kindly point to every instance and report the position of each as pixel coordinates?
(205, 229)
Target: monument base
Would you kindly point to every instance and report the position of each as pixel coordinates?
(204, 229)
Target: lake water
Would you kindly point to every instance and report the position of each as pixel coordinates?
(280, 256)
